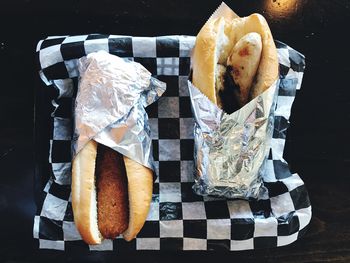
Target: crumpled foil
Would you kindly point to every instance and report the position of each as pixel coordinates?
(231, 149)
(110, 105)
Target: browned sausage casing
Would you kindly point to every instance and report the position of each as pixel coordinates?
(112, 192)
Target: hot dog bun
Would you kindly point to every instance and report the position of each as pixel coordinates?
(124, 206)
(140, 184)
(229, 43)
(84, 201)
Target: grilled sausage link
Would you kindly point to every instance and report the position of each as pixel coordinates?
(112, 192)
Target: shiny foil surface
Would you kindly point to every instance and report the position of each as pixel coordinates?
(231, 149)
(110, 105)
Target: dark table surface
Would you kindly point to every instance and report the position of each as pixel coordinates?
(317, 144)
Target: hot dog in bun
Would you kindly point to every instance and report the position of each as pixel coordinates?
(111, 194)
(234, 60)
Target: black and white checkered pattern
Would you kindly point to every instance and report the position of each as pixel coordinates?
(179, 219)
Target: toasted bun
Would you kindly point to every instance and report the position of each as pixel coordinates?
(205, 58)
(84, 201)
(215, 41)
(140, 183)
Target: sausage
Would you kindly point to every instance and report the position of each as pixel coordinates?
(112, 192)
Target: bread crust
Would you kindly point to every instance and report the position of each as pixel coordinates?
(84, 194)
(140, 186)
(204, 58)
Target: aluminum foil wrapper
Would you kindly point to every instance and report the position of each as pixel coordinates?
(110, 105)
(231, 149)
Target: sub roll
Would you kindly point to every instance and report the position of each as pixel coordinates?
(234, 60)
(111, 194)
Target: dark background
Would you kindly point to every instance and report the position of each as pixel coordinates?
(317, 144)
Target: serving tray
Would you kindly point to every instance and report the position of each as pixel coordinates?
(178, 219)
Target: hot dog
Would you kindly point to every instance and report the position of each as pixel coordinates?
(111, 194)
(234, 60)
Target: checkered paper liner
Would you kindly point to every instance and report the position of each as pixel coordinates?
(178, 218)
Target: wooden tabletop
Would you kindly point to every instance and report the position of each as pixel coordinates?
(317, 145)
